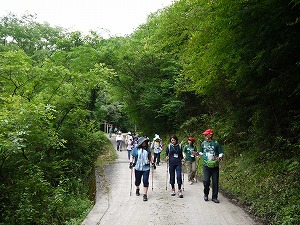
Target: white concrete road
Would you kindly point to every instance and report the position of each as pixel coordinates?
(118, 207)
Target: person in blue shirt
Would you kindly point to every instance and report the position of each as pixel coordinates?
(212, 153)
(141, 159)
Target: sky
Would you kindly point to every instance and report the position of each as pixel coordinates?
(113, 17)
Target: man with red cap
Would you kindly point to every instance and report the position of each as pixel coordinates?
(212, 153)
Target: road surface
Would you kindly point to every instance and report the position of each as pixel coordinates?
(115, 205)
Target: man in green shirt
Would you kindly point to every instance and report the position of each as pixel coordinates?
(212, 154)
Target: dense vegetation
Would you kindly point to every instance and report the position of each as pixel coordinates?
(232, 66)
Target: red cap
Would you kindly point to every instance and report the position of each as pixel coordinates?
(208, 131)
(191, 139)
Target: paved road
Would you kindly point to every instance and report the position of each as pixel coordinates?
(116, 206)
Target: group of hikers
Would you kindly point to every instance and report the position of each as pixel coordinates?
(141, 160)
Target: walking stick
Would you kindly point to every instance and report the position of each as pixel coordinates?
(152, 177)
(167, 176)
(196, 169)
(182, 179)
(131, 180)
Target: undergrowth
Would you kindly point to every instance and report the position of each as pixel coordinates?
(269, 188)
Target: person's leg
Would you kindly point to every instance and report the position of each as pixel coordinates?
(146, 184)
(172, 178)
(121, 142)
(179, 174)
(215, 182)
(179, 180)
(155, 157)
(128, 153)
(158, 158)
(193, 170)
(189, 170)
(206, 181)
(138, 178)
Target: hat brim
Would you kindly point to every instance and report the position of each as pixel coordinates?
(142, 140)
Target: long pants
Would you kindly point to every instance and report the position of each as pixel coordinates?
(139, 175)
(119, 145)
(191, 169)
(157, 158)
(172, 169)
(128, 154)
(214, 174)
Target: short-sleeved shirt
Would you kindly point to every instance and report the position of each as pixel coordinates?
(142, 158)
(188, 149)
(210, 150)
(175, 154)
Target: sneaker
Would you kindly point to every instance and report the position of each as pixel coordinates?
(173, 192)
(205, 198)
(180, 195)
(192, 182)
(137, 192)
(215, 200)
(145, 198)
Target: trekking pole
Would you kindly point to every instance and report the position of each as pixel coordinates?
(196, 168)
(131, 181)
(182, 179)
(167, 176)
(152, 177)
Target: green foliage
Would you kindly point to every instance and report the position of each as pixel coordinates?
(232, 66)
(48, 123)
(268, 188)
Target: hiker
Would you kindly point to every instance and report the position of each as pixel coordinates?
(156, 145)
(141, 160)
(212, 153)
(129, 146)
(132, 133)
(174, 157)
(189, 155)
(135, 141)
(119, 139)
(127, 137)
(110, 131)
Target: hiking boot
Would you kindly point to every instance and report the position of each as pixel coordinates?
(205, 198)
(215, 200)
(180, 195)
(137, 192)
(145, 198)
(173, 192)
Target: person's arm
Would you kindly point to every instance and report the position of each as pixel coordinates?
(184, 152)
(195, 151)
(132, 159)
(201, 149)
(167, 153)
(221, 152)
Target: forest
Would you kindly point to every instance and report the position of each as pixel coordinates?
(232, 66)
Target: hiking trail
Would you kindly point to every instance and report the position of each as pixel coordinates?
(115, 206)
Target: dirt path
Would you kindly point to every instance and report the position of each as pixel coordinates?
(117, 206)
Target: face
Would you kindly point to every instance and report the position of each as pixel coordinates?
(144, 143)
(207, 136)
(173, 141)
